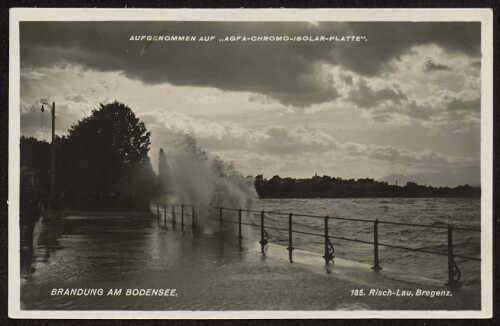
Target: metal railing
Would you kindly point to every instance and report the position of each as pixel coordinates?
(454, 274)
(161, 215)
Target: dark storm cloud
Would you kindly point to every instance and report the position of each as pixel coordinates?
(430, 65)
(287, 72)
(365, 97)
(391, 40)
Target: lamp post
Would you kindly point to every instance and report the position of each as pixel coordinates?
(52, 155)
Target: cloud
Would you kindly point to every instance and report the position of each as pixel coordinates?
(476, 64)
(365, 97)
(422, 111)
(76, 98)
(281, 143)
(430, 65)
(261, 104)
(409, 94)
(339, 164)
(232, 136)
(33, 75)
(460, 105)
(275, 149)
(394, 154)
(68, 112)
(279, 140)
(391, 40)
(286, 72)
(258, 98)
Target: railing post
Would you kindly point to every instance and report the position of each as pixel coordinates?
(453, 270)
(239, 229)
(158, 210)
(173, 215)
(376, 266)
(326, 241)
(182, 216)
(165, 212)
(290, 243)
(329, 249)
(220, 219)
(262, 239)
(450, 256)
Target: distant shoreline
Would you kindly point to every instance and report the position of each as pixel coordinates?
(332, 187)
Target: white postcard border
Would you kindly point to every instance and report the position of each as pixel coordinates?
(485, 16)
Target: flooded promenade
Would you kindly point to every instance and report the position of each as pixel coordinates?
(207, 271)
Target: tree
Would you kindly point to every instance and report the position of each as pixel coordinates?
(35, 155)
(105, 163)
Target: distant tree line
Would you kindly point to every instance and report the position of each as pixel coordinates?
(331, 187)
(102, 164)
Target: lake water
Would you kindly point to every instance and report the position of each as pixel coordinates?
(210, 273)
(460, 212)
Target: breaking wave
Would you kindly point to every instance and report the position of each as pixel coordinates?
(195, 177)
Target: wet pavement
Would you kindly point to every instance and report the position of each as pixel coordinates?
(207, 271)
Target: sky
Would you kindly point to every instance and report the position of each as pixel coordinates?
(403, 103)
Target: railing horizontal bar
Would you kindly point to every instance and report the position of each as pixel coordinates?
(243, 223)
(413, 224)
(409, 249)
(349, 239)
(177, 214)
(304, 215)
(430, 226)
(230, 209)
(252, 211)
(361, 220)
(417, 225)
(467, 257)
(414, 249)
(276, 213)
(233, 209)
(270, 227)
(349, 219)
(465, 229)
(273, 228)
(362, 241)
(228, 221)
(344, 219)
(308, 233)
(335, 218)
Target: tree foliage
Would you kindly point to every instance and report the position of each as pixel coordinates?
(35, 155)
(105, 160)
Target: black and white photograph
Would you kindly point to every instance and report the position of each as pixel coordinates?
(250, 163)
